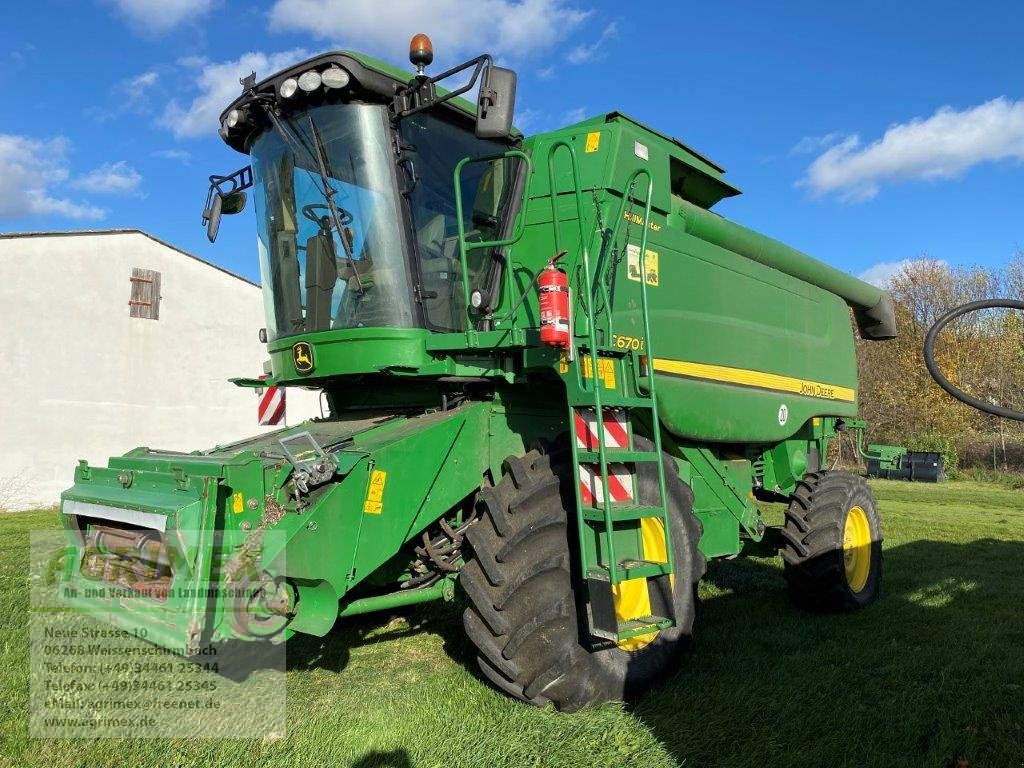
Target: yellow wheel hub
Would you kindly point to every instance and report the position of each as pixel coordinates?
(632, 597)
(857, 548)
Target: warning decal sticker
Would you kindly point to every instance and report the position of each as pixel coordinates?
(374, 503)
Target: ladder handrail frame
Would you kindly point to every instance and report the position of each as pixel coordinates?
(553, 148)
(464, 248)
(651, 388)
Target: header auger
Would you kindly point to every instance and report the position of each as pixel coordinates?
(555, 378)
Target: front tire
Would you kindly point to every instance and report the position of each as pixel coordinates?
(525, 608)
(832, 543)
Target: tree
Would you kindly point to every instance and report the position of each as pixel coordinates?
(982, 353)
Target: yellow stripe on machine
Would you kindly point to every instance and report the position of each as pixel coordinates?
(759, 379)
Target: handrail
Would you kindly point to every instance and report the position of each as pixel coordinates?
(464, 248)
(643, 255)
(649, 372)
(591, 338)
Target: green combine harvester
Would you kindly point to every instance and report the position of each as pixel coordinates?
(556, 381)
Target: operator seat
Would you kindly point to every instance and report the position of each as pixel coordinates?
(439, 273)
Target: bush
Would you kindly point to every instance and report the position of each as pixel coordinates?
(987, 452)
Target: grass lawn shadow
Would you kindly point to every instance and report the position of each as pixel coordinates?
(397, 758)
(332, 651)
(930, 675)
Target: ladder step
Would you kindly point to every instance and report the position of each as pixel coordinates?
(631, 569)
(643, 569)
(613, 400)
(642, 626)
(623, 514)
(616, 456)
(602, 351)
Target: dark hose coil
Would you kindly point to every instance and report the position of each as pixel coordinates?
(940, 378)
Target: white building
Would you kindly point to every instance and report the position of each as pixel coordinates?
(114, 339)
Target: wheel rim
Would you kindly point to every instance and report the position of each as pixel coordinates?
(632, 597)
(857, 548)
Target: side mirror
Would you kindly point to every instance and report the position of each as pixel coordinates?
(232, 203)
(496, 103)
(222, 205)
(225, 203)
(212, 216)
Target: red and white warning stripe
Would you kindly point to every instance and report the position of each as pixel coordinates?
(271, 408)
(620, 484)
(616, 429)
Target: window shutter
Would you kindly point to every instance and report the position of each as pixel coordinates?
(145, 298)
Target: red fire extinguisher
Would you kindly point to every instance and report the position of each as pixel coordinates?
(553, 286)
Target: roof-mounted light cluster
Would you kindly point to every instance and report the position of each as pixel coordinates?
(236, 118)
(333, 77)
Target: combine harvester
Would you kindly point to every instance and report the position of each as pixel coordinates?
(554, 378)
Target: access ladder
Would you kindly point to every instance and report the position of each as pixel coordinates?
(612, 389)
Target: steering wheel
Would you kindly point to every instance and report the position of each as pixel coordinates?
(309, 211)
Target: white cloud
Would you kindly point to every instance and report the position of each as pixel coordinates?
(159, 17)
(808, 145)
(509, 28)
(145, 80)
(141, 82)
(217, 85)
(19, 56)
(574, 116)
(582, 53)
(882, 273)
(109, 177)
(28, 169)
(942, 146)
(129, 95)
(527, 119)
(180, 155)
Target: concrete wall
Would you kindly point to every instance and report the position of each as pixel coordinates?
(82, 379)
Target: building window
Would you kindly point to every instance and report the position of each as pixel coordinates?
(145, 298)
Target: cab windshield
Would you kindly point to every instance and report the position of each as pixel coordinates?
(322, 271)
(325, 269)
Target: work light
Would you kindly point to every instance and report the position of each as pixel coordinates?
(309, 81)
(288, 88)
(334, 77)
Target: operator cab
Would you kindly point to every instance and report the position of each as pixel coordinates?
(352, 167)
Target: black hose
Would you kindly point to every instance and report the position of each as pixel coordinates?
(940, 378)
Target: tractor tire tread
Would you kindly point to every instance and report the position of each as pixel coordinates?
(812, 542)
(523, 614)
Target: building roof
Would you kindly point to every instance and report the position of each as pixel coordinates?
(75, 232)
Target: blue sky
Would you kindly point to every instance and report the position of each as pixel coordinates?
(864, 134)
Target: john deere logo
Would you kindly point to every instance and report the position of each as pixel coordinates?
(302, 355)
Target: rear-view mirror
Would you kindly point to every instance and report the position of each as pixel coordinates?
(232, 203)
(212, 216)
(222, 205)
(496, 103)
(225, 197)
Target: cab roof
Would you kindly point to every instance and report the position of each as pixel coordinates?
(370, 80)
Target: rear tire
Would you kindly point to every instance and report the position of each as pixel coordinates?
(832, 543)
(525, 608)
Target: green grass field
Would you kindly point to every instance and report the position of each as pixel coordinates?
(931, 675)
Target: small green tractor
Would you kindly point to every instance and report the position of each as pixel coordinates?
(556, 383)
